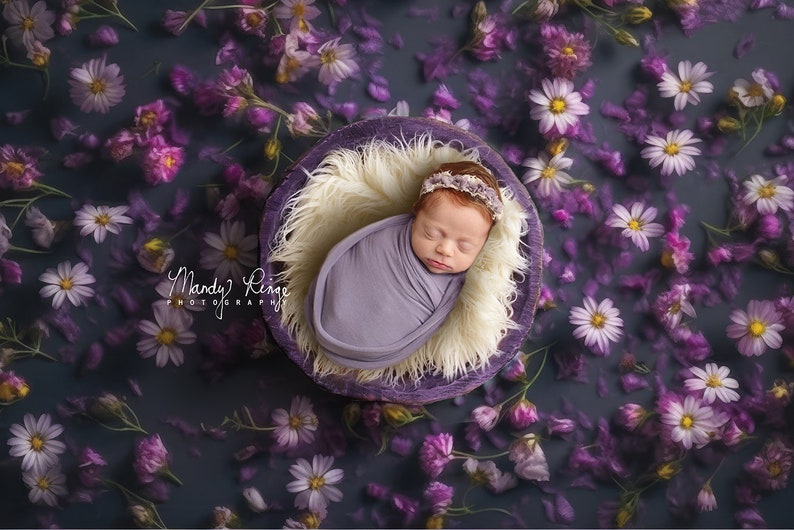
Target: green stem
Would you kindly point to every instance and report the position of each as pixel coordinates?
(109, 12)
(191, 16)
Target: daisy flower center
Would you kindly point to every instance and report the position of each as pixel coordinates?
(148, 118)
(316, 483)
(102, 219)
(43, 484)
(686, 86)
(14, 169)
(299, 10)
(166, 336)
(755, 90)
(27, 23)
(671, 149)
(674, 308)
(557, 106)
(253, 19)
(598, 321)
(328, 56)
(36, 443)
(767, 191)
(686, 421)
(65, 283)
(96, 86)
(169, 161)
(295, 422)
(756, 328)
(713, 381)
(774, 469)
(567, 50)
(634, 224)
(231, 252)
(548, 172)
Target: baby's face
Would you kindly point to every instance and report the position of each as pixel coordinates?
(447, 237)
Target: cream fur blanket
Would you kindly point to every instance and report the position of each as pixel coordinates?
(355, 187)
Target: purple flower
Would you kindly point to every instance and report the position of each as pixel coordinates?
(151, 459)
(771, 467)
(486, 417)
(89, 468)
(439, 495)
(522, 414)
(96, 86)
(18, 167)
(756, 329)
(104, 37)
(435, 453)
(566, 53)
(162, 161)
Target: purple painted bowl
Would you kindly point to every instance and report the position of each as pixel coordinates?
(431, 388)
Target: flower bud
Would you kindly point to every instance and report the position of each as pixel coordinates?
(155, 255)
(728, 124)
(142, 516)
(254, 499)
(522, 414)
(637, 15)
(311, 520)
(486, 417)
(668, 470)
(624, 38)
(223, 517)
(107, 406)
(706, 501)
(776, 104)
(272, 148)
(769, 258)
(396, 415)
(479, 12)
(555, 147)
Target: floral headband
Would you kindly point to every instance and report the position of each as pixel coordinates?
(467, 184)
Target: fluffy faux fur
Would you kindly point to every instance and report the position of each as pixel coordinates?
(355, 187)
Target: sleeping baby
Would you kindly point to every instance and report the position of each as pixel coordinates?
(384, 290)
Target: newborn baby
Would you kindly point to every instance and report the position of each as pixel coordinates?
(385, 289)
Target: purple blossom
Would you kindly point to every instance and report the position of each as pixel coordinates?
(435, 453)
(151, 458)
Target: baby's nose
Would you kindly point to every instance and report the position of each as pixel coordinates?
(445, 248)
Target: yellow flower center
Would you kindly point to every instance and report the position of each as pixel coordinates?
(36, 443)
(713, 381)
(148, 118)
(756, 328)
(567, 50)
(675, 307)
(289, 66)
(102, 219)
(557, 106)
(686, 422)
(231, 252)
(27, 23)
(66, 284)
(634, 225)
(755, 90)
(13, 169)
(96, 86)
(774, 469)
(671, 149)
(767, 191)
(43, 484)
(254, 19)
(166, 336)
(548, 172)
(299, 10)
(316, 483)
(294, 422)
(169, 161)
(598, 320)
(328, 56)
(686, 86)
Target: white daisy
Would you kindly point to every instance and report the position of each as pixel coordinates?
(548, 172)
(161, 337)
(691, 422)
(557, 105)
(753, 93)
(337, 61)
(757, 329)
(314, 483)
(297, 425)
(28, 24)
(598, 324)
(687, 86)
(298, 12)
(768, 195)
(674, 152)
(67, 283)
(636, 223)
(45, 485)
(229, 251)
(714, 382)
(99, 220)
(35, 441)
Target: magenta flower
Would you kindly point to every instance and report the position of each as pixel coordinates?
(436, 453)
(486, 417)
(522, 414)
(18, 168)
(566, 53)
(771, 467)
(439, 496)
(162, 161)
(756, 329)
(95, 87)
(152, 460)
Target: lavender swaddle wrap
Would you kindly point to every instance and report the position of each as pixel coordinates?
(373, 302)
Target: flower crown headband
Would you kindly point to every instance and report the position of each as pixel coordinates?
(468, 184)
